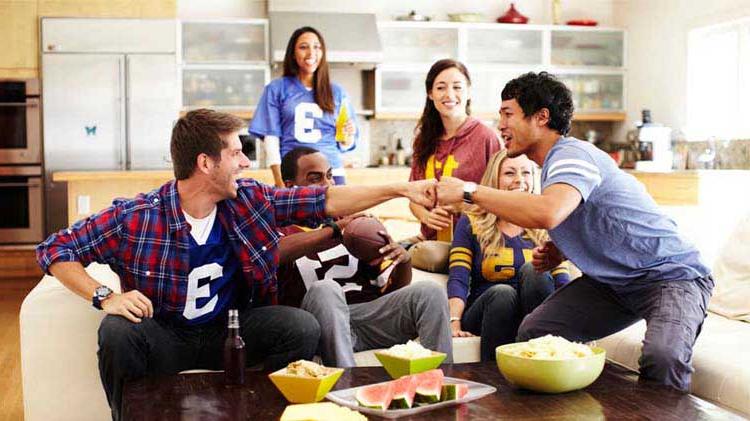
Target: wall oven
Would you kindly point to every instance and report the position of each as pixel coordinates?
(21, 195)
(20, 132)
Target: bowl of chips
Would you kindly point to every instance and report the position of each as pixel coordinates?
(550, 364)
(305, 381)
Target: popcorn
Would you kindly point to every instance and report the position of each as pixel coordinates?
(550, 348)
(409, 350)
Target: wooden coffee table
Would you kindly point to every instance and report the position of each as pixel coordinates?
(617, 394)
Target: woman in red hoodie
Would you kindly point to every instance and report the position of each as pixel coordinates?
(448, 142)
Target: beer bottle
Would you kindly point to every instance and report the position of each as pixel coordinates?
(234, 351)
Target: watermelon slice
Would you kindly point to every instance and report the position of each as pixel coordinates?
(403, 392)
(429, 386)
(376, 396)
(453, 391)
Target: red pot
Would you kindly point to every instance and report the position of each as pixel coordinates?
(512, 16)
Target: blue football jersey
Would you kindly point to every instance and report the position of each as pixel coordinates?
(211, 287)
(288, 111)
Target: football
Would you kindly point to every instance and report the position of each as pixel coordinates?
(362, 240)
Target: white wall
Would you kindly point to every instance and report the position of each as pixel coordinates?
(539, 11)
(657, 51)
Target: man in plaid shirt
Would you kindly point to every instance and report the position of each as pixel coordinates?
(193, 248)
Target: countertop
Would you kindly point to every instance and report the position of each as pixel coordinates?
(262, 174)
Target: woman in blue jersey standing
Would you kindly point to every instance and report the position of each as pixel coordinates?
(303, 108)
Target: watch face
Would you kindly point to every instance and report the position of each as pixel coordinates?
(103, 291)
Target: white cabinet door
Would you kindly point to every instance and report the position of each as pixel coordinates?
(223, 86)
(241, 41)
(595, 93)
(152, 109)
(83, 109)
(401, 89)
(587, 47)
(86, 35)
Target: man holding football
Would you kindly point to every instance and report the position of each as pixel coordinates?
(359, 305)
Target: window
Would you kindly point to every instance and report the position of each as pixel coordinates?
(718, 90)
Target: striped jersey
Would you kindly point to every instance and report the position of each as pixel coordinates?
(472, 271)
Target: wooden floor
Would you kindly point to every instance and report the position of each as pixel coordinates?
(12, 293)
(19, 273)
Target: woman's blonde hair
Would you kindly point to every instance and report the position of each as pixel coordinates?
(484, 223)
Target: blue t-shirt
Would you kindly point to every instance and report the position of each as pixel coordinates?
(288, 111)
(211, 285)
(617, 234)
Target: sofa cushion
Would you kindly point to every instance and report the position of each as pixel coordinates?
(731, 297)
(58, 333)
(720, 359)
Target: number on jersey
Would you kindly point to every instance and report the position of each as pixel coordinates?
(305, 114)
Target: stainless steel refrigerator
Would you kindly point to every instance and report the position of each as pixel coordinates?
(110, 94)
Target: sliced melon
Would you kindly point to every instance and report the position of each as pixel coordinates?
(403, 392)
(377, 396)
(429, 386)
(452, 392)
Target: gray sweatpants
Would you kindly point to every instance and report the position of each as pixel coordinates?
(585, 310)
(418, 310)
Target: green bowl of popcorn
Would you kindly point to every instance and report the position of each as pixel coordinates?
(410, 358)
(550, 364)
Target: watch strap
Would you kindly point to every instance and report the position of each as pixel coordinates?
(337, 234)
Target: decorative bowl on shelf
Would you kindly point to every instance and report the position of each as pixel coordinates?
(512, 16)
(582, 22)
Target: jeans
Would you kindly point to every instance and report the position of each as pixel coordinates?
(496, 314)
(273, 335)
(418, 310)
(585, 310)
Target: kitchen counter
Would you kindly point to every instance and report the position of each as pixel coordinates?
(89, 191)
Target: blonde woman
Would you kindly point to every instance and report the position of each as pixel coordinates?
(492, 284)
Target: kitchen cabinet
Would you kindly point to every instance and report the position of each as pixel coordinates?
(224, 63)
(590, 61)
(407, 42)
(18, 30)
(587, 47)
(109, 8)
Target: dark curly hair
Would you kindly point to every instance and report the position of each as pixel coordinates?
(430, 128)
(534, 91)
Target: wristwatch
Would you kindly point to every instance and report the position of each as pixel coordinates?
(335, 227)
(469, 189)
(100, 294)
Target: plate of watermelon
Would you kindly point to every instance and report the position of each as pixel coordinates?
(410, 395)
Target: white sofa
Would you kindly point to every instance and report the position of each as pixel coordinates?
(61, 381)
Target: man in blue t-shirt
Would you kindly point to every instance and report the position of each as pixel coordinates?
(635, 263)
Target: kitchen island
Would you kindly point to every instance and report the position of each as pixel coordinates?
(89, 191)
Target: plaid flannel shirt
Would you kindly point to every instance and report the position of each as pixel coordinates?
(145, 240)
